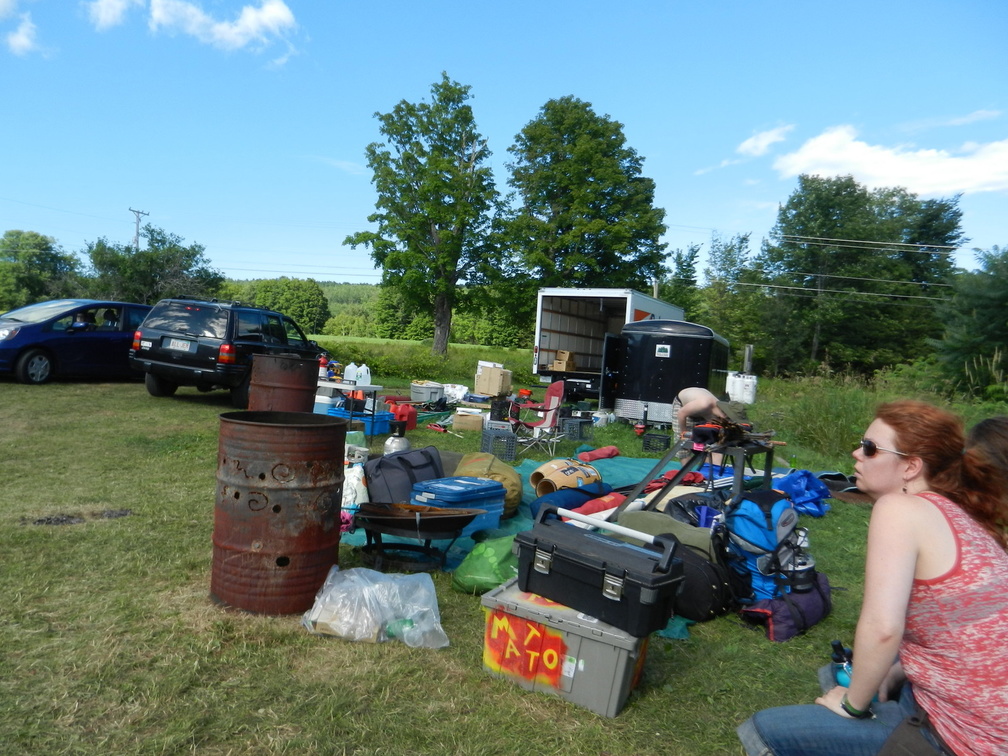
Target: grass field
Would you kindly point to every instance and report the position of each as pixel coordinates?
(112, 646)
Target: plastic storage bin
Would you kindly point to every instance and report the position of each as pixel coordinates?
(374, 425)
(550, 648)
(426, 391)
(467, 493)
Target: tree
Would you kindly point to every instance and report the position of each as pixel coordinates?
(586, 215)
(166, 268)
(973, 350)
(302, 300)
(729, 303)
(681, 289)
(841, 256)
(33, 268)
(436, 203)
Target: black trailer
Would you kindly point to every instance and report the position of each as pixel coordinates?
(651, 361)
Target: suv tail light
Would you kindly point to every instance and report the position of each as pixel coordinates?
(226, 355)
(137, 335)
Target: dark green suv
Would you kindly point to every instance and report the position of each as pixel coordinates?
(210, 344)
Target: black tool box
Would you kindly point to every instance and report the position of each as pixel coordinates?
(625, 585)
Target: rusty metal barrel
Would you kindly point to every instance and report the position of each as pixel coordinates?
(277, 514)
(282, 383)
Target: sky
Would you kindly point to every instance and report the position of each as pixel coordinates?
(241, 125)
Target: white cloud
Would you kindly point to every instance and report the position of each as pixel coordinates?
(966, 120)
(105, 14)
(838, 151)
(254, 24)
(347, 166)
(758, 144)
(8, 8)
(23, 40)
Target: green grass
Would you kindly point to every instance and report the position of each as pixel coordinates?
(111, 644)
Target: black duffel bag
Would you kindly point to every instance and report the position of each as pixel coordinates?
(705, 591)
(390, 478)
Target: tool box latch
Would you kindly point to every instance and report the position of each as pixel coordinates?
(612, 587)
(543, 561)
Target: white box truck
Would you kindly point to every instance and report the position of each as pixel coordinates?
(571, 326)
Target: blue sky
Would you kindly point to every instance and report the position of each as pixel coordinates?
(241, 124)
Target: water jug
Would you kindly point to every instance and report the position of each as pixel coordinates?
(350, 373)
(363, 374)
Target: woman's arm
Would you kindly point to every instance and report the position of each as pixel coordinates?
(893, 546)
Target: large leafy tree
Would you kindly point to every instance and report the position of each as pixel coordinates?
(856, 274)
(301, 299)
(436, 204)
(33, 268)
(166, 267)
(586, 214)
(973, 350)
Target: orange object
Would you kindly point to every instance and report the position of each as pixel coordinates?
(405, 412)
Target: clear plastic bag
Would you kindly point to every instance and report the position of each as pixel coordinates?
(365, 605)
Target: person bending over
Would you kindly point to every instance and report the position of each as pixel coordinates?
(934, 600)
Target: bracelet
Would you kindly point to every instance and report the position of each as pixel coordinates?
(846, 705)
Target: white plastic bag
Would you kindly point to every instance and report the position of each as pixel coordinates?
(453, 392)
(365, 605)
(354, 488)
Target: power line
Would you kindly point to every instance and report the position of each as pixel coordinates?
(858, 278)
(814, 292)
(868, 245)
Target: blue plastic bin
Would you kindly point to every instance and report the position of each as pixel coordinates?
(376, 426)
(464, 493)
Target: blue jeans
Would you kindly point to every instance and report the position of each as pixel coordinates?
(814, 730)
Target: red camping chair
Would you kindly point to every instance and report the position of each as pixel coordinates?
(544, 432)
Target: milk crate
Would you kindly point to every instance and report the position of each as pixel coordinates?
(500, 442)
(577, 428)
(656, 442)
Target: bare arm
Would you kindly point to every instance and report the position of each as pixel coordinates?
(893, 547)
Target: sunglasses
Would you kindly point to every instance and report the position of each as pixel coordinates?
(870, 449)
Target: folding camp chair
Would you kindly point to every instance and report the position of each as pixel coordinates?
(545, 432)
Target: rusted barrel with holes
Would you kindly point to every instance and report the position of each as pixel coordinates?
(282, 383)
(277, 513)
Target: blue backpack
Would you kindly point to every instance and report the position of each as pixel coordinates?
(762, 544)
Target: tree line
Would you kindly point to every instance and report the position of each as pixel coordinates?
(848, 279)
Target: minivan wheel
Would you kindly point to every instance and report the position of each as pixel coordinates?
(34, 366)
(157, 386)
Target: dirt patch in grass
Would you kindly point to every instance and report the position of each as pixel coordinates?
(68, 519)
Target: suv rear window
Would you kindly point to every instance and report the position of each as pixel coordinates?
(191, 319)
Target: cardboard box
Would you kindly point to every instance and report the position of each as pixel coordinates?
(492, 381)
(467, 422)
(563, 355)
(567, 366)
(550, 648)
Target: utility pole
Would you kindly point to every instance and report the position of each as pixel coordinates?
(136, 236)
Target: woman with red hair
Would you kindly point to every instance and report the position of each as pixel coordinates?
(935, 600)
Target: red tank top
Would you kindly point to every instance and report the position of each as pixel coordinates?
(955, 646)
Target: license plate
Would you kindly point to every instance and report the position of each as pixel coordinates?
(180, 344)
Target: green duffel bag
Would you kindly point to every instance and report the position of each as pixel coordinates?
(487, 566)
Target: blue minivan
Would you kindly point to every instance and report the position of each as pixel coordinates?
(69, 338)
